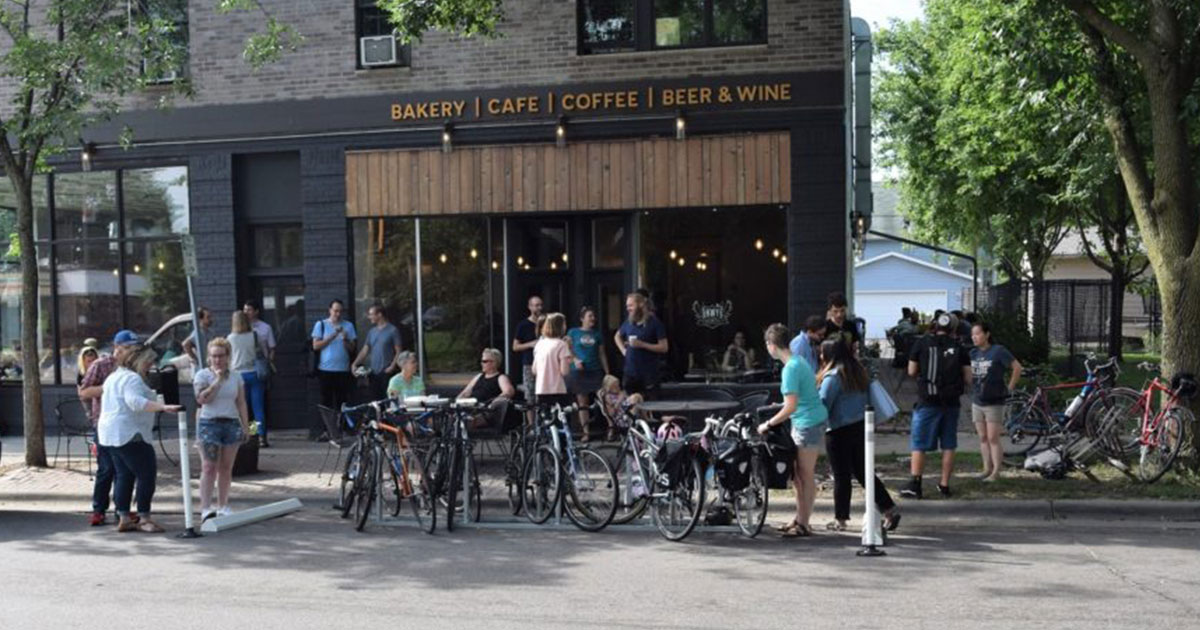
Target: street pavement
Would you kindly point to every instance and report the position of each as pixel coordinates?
(985, 564)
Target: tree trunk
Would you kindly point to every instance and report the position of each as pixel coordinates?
(1116, 311)
(1039, 307)
(31, 369)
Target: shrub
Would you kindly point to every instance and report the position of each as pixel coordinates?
(1011, 330)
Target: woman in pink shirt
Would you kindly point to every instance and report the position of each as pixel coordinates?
(552, 361)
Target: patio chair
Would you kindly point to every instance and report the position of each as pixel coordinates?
(337, 438)
(752, 401)
(73, 423)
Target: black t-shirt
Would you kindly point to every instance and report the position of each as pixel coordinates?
(847, 330)
(526, 332)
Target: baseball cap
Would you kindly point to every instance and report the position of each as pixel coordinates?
(946, 321)
(91, 342)
(126, 338)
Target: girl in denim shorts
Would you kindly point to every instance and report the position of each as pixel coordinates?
(221, 426)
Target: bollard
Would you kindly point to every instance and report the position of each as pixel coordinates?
(185, 471)
(872, 534)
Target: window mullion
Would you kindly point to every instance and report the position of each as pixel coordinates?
(121, 247)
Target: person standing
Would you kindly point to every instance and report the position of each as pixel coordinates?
(91, 388)
(988, 364)
(382, 346)
(551, 363)
(589, 366)
(221, 422)
(262, 330)
(642, 339)
(127, 408)
(805, 344)
(943, 370)
(244, 355)
(334, 338)
(838, 323)
(803, 409)
(193, 342)
(842, 383)
(524, 339)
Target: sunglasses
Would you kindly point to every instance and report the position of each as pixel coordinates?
(487, 361)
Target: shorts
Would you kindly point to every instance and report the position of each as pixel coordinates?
(809, 437)
(586, 382)
(933, 427)
(216, 433)
(991, 414)
(528, 382)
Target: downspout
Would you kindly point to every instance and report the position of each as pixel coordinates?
(862, 199)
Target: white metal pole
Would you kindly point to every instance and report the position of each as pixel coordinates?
(185, 471)
(872, 536)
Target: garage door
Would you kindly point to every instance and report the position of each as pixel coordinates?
(881, 309)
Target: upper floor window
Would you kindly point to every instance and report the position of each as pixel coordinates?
(376, 44)
(166, 52)
(629, 25)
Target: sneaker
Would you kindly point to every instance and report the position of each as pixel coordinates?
(207, 514)
(97, 518)
(224, 511)
(262, 442)
(912, 490)
(944, 491)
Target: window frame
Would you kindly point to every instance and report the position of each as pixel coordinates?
(182, 32)
(644, 39)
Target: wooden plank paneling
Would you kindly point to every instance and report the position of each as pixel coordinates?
(705, 171)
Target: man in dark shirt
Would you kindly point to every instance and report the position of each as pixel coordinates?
(643, 341)
(524, 340)
(837, 323)
(942, 368)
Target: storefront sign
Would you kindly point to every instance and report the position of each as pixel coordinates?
(712, 315)
(703, 94)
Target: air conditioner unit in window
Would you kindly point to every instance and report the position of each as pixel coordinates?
(169, 76)
(377, 51)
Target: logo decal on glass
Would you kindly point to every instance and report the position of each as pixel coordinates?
(712, 315)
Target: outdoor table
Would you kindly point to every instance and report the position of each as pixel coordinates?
(694, 410)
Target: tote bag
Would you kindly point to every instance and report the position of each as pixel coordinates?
(885, 407)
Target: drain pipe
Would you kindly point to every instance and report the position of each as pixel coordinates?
(863, 199)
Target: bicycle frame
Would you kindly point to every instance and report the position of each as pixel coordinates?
(1152, 419)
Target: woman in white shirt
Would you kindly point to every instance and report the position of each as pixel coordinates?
(221, 426)
(127, 408)
(245, 347)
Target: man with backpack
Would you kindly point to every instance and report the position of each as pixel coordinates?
(943, 370)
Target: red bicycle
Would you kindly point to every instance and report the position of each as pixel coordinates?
(1153, 429)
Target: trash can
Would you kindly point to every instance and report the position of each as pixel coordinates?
(246, 462)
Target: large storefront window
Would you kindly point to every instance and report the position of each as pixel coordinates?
(461, 280)
(607, 26)
(114, 262)
(712, 274)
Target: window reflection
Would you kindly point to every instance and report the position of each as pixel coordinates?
(85, 205)
(709, 280)
(385, 273)
(156, 201)
(454, 291)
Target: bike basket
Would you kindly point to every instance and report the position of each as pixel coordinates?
(733, 463)
(1184, 385)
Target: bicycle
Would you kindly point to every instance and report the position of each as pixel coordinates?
(1155, 436)
(450, 462)
(556, 464)
(739, 453)
(404, 468)
(1028, 417)
(520, 442)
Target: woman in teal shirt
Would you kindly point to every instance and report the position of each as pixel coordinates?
(803, 408)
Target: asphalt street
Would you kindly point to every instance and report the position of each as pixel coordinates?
(311, 570)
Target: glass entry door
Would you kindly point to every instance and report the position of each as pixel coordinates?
(282, 300)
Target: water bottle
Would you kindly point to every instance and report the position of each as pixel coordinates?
(1073, 407)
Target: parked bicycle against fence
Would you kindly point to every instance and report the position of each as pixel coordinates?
(1148, 435)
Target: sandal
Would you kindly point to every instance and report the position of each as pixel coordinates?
(127, 525)
(147, 526)
(835, 526)
(799, 531)
(891, 520)
(786, 527)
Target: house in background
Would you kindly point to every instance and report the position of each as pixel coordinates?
(891, 275)
(1070, 262)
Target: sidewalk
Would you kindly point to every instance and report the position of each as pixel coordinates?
(290, 469)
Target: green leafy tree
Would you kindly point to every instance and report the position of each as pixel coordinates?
(414, 18)
(68, 64)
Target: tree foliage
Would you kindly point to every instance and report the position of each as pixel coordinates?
(414, 18)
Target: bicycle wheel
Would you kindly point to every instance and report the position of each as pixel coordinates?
(391, 491)
(350, 472)
(473, 507)
(676, 508)
(591, 498)
(419, 498)
(1025, 424)
(541, 484)
(1114, 421)
(633, 493)
(513, 467)
(453, 483)
(435, 471)
(366, 487)
(750, 503)
(1158, 453)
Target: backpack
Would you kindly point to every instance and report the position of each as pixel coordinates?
(1051, 463)
(940, 380)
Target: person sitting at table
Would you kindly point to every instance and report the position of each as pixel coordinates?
(739, 357)
(405, 383)
(493, 388)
